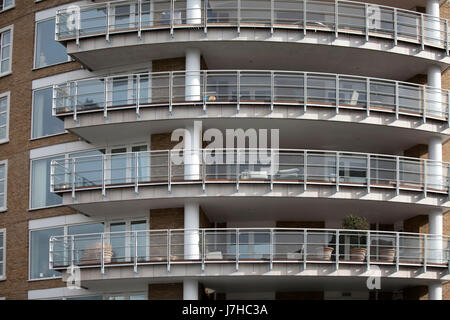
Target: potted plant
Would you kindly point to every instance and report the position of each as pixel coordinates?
(358, 251)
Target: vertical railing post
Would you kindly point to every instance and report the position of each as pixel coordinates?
(205, 16)
(237, 249)
(425, 252)
(169, 244)
(238, 89)
(272, 90)
(136, 172)
(337, 172)
(140, 18)
(51, 253)
(75, 102)
(368, 96)
(305, 247)
(73, 177)
(138, 95)
(135, 251)
(366, 16)
(422, 32)
(271, 249)
(305, 169)
(395, 27)
(54, 100)
(397, 100)
(237, 169)
(304, 17)
(425, 102)
(106, 94)
(172, 8)
(52, 175)
(108, 19)
(397, 258)
(397, 174)
(337, 249)
(337, 93)
(102, 258)
(205, 74)
(57, 25)
(336, 19)
(368, 240)
(72, 251)
(169, 170)
(171, 90)
(239, 17)
(425, 178)
(104, 175)
(305, 91)
(271, 16)
(203, 249)
(368, 172)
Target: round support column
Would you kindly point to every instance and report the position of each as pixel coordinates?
(193, 11)
(190, 289)
(435, 291)
(191, 233)
(433, 25)
(434, 94)
(192, 85)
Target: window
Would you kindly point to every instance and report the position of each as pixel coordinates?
(6, 4)
(48, 51)
(43, 122)
(3, 184)
(39, 250)
(40, 184)
(2, 254)
(6, 35)
(4, 117)
(39, 245)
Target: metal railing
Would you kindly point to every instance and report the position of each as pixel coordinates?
(249, 245)
(252, 87)
(240, 166)
(346, 17)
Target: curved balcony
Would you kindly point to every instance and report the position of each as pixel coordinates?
(250, 93)
(338, 17)
(238, 247)
(175, 174)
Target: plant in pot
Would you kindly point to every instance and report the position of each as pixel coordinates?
(358, 249)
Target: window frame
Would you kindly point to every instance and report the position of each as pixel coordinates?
(65, 228)
(66, 156)
(8, 104)
(9, 28)
(5, 190)
(35, 67)
(13, 4)
(32, 116)
(3, 258)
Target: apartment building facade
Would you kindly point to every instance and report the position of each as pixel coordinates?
(343, 108)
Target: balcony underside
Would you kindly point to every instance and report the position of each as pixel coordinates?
(330, 130)
(283, 276)
(224, 48)
(258, 202)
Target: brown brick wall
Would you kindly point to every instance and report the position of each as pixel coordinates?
(15, 220)
(173, 218)
(165, 291)
(174, 64)
(416, 293)
(161, 141)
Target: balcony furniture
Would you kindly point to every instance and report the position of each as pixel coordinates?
(289, 173)
(93, 253)
(358, 254)
(214, 255)
(246, 175)
(210, 96)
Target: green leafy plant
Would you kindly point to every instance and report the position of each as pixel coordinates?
(352, 222)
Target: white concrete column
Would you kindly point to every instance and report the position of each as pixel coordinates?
(434, 94)
(435, 291)
(192, 152)
(193, 81)
(435, 173)
(193, 11)
(190, 289)
(433, 33)
(191, 233)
